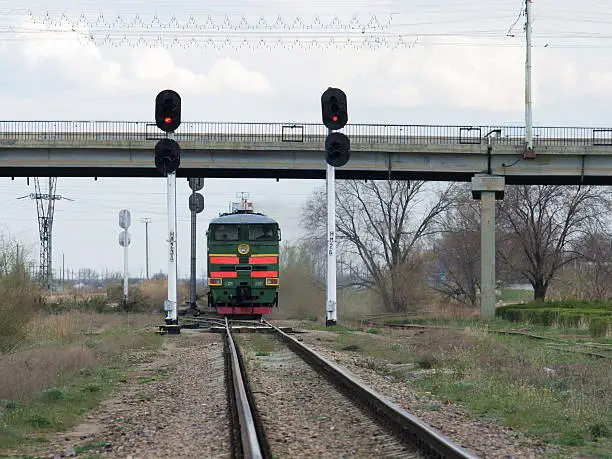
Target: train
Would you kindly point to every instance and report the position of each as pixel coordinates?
(243, 262)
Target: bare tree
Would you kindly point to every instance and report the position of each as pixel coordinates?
(539, 225)
(382, 227)
(596, 266)
(301, 290)
(457, 249)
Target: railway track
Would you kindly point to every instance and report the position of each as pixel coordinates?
(293, 402)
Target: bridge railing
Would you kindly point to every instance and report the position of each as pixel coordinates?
(88, 131)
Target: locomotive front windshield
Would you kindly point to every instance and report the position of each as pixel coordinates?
(227, 233)
(263, 232)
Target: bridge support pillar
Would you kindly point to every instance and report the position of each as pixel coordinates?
(487, 189)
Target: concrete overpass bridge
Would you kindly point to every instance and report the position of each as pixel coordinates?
(564, 155)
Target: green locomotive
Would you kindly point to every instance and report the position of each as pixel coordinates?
(242, 262)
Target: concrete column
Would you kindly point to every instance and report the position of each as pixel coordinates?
(487, 189)
(487, 255)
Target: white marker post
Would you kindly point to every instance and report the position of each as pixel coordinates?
(124, 241)
(331, 312)
(171, 303)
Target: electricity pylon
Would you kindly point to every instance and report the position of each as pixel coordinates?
(45, 227)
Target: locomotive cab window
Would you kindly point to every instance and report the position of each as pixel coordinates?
(226, 233)
(262, 233)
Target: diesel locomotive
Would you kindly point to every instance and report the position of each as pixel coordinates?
(242, 262)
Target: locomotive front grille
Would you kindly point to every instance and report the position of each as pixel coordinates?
(243, 294)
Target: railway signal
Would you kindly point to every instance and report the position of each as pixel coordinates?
(337, 149)
(168, 110)
(167, 156)
(167, 161)
(337, 153)
(333, 108)
(196, 205)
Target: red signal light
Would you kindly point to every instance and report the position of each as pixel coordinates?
(167, 120)
(334, 118)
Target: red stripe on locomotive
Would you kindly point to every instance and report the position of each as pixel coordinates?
(264, 273)
(223, 274)
(263, 260)
(224, 260)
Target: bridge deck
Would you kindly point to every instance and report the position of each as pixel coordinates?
(277, 150)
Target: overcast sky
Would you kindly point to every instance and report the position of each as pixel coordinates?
(463, 64)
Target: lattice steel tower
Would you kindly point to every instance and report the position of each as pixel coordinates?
(45, 227)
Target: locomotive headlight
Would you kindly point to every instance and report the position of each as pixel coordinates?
(215, 282)
(243, 249)
(271, 281)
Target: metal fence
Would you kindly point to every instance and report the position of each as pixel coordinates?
(125, 131)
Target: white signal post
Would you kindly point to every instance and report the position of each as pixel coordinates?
(124, 241)
(170, 306)
(125, 274)
(331, 316)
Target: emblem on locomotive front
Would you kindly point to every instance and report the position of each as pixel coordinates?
(243, 249)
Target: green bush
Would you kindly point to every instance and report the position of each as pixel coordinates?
(565, 314)
(600, 326)
(19, 299)
(137, 302)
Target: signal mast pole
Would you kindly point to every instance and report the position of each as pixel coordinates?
(331, 316)
(146, 221)
(172, 313)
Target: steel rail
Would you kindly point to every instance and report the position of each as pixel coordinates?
(400, 420)
(249, 439)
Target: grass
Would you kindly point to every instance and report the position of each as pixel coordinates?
(562, 398)
(64, 367)
(261, 344)
(508, 294)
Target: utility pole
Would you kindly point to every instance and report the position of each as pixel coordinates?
(528, 153)
(146, 221)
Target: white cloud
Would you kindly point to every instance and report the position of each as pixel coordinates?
(64, 55)
(599, 82)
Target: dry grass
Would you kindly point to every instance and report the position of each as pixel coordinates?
(299, 297)
(52, 327)
(28, 372)
(156, 291)
(73, 295)
(59, 345)
(441, 308)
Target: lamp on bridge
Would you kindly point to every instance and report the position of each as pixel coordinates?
(168, 110)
